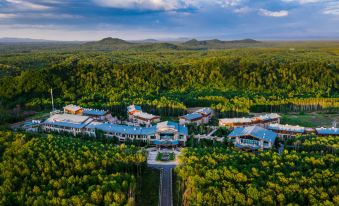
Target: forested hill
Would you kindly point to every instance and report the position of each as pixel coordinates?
(234, 80)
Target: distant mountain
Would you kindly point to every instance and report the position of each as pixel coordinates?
(108, 43)
(218, 44)
(23, 40)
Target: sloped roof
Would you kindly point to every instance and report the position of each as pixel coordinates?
(236, 120)
(328, 131)
(95, 112)
(192, 116)
(72, 107)
(254, 131)
(124, 129)
(69, 120)
(181, 129)
(205, 111)
(134, 107)
(288, 128)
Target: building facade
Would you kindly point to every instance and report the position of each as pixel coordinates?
(252, 137)
(287, 131)
(137, 116)
(201, 116)
(70, 123)
(262, 120)
(327, 131)
(164, 134)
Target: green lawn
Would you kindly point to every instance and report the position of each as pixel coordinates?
(310, 119)
(148, 194)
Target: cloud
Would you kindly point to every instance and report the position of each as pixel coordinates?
(332, 8)
(7, 16)
(27, 5)
(243, 10)
(144, 4)
(264, 12)
(166, 5)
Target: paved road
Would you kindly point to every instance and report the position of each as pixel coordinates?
(165, 184)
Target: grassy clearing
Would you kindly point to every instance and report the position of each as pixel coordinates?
(310, 119)
(148, 194)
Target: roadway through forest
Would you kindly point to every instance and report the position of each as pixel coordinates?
(165, 187)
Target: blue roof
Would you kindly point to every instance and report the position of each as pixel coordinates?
(254, 131)
(181, 129)
(192, 116)
(124, 129)
(328, 131)
(95, 112)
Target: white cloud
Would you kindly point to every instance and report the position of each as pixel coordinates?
(265, 12)
(166, 5)
(7, 16)
(243, 10)
(332, 8)
(27, 5)
(143, 4)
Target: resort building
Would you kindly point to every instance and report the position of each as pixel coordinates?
(73, 109)
(69, 123)
(287, 131)
(253, 137)
(96, 114)
(136, 115)
(327, 131)
(201, 116)
(262, 120)
(164, 134)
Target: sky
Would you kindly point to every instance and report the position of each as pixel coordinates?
(86, 20)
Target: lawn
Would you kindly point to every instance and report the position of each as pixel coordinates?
(148, 193)
(310, 119)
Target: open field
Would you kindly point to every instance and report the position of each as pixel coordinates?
(310, 119)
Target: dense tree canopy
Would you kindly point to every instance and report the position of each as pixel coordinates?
(220, 176)
(233, 81)
(65, 171)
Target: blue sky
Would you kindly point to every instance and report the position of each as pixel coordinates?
(163, 19)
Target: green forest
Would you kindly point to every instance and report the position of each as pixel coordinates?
(56, 170)
(222, 176)
(167, 82)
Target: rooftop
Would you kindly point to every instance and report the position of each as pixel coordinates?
(192, 116)
(133, 108)
(254, 131)
(328, 131)
(205, 111)
(236, 120)
(268, 116)
(72, 107)
(289, 128)
(95, 112)
(145, 115)
(69, 120)
(109, 127)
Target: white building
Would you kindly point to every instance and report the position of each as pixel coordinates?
(287, 131)
(69, 123)
(136, 115)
